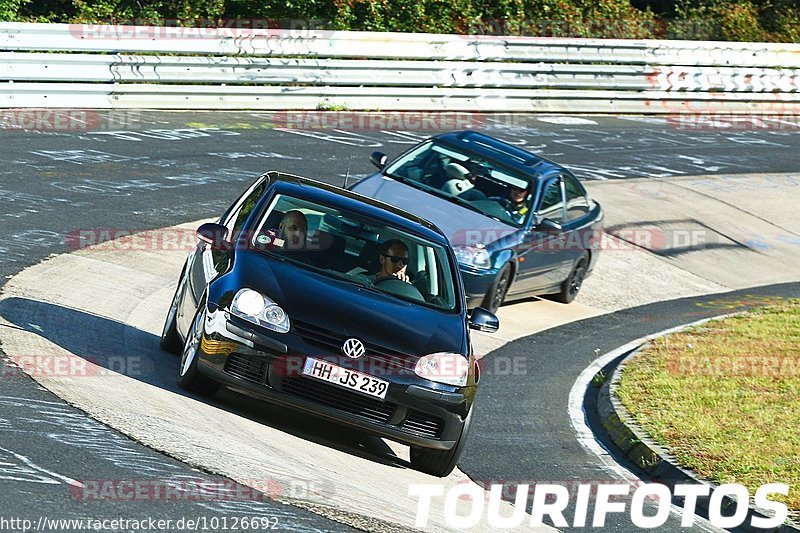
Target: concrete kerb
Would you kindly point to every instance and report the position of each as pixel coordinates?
(638, 447)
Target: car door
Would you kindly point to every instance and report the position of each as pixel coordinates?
(578, 237)
(542, 258)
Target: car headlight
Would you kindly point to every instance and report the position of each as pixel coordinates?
(447, 368)
(258, 309)
(474, 256)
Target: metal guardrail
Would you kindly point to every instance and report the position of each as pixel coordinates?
(47, 65)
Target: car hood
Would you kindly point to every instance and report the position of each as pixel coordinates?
(331, 304)
(460, 224)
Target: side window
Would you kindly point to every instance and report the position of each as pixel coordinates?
(247, 203)
(577, 204)
(552, 204)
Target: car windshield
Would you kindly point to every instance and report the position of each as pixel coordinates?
(351, 247)
(467, 179)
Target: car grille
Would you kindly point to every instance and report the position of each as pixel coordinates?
(423, 425)
(337, 398)
(247, 368)
(254, 369)
(390, 359)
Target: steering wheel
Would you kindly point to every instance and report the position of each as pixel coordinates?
(393, 285)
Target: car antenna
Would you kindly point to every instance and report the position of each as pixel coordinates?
(347, 174)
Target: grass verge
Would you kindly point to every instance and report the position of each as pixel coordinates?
(724, 398)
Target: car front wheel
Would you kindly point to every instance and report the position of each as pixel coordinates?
(497, 292)
(189, 378)
(440, 463)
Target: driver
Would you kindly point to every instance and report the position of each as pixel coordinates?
(393, 257)
(515, 203)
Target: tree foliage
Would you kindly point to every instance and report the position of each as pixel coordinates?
(732, 20)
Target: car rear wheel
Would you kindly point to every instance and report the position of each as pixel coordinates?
(440, 463)
(497, 292)
(189, 377)
(572, 285)
(170, 340)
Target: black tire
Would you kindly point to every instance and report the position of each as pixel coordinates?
(440, 463)
(189, 378)
(572, 285)
(170, 340)
(497, 292)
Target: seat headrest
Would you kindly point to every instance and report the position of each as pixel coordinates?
(326, 241)
(456, 172)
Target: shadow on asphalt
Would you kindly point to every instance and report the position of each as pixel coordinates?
(130, 351)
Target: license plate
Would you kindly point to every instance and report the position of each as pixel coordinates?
(344, 377)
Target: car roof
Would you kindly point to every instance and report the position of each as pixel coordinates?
(338, 197)
(509, 155)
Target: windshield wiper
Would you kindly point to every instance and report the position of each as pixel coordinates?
(400, 178)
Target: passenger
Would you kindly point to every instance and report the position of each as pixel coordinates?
(393, 257)
(293, 229)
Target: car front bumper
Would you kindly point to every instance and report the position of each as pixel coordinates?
(267, 366)
(477, 283)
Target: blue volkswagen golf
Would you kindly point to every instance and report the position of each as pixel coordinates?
(316, 298)
(521, 225)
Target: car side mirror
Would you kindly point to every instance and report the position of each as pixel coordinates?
(214, 234)
(483, 320)
(378, 159)
(548, 225)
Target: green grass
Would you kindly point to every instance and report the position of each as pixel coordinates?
(724, 398)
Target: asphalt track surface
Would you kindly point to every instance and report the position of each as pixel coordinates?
(160, 169)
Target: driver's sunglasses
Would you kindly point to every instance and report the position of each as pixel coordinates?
(397, 259)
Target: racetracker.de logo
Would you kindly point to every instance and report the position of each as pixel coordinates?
(789, 121)
(50, 119)
(80, 120)
(131, 240)
(621, 239)
(213, 29)
(56, 364)
(187, 489)
(389, 120)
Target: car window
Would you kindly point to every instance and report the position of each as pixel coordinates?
(552, 203)
(475, 182)
(577, 203)
(243, 207)
(347, 246)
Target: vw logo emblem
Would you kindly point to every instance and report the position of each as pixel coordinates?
(353, 348)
